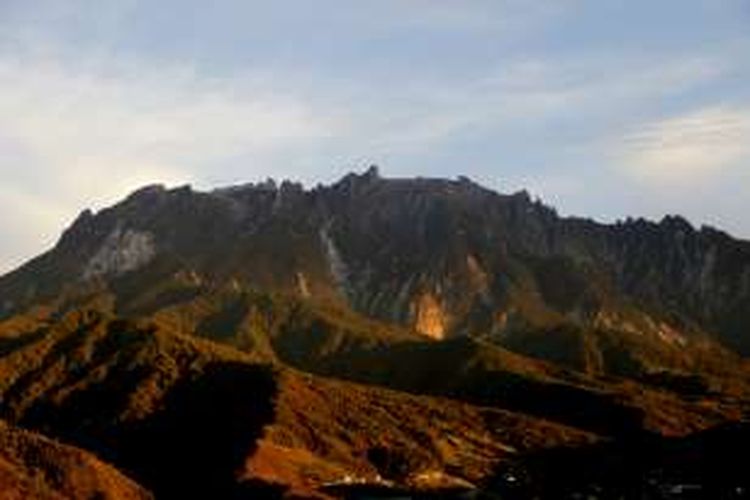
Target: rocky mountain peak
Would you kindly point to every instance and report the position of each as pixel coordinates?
(397, 250)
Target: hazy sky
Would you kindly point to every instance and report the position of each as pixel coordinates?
(603, 108)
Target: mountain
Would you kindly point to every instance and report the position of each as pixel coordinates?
(441, 257)
(374, 336)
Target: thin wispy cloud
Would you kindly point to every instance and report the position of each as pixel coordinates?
(689, 149)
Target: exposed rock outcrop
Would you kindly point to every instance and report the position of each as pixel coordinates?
(375, 245)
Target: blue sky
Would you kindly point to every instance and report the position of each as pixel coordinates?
(602, 108)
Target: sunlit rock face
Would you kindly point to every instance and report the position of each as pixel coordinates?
(122, 251)
(429, 318)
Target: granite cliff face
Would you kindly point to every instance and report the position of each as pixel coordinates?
(444, 257)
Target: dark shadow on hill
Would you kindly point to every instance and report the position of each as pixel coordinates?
(164, 300)
(446, 369)
(225, 323)
(10, 344)
(196, 446)
(586, 409)
(150, 289)
(706, 465)
(194, 436)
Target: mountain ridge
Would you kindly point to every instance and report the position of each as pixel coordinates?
(443, 257)
(401, 335)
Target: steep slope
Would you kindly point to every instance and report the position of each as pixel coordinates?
(190, 417)
(33, 466)
(440, 257)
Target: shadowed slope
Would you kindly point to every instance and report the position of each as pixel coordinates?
(179, 414)
(482, 373)
(33, 466)
(196, 443)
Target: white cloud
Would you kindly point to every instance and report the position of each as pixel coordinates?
(523, 93)
(159, 116)
(689, 149)
(76, 136)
